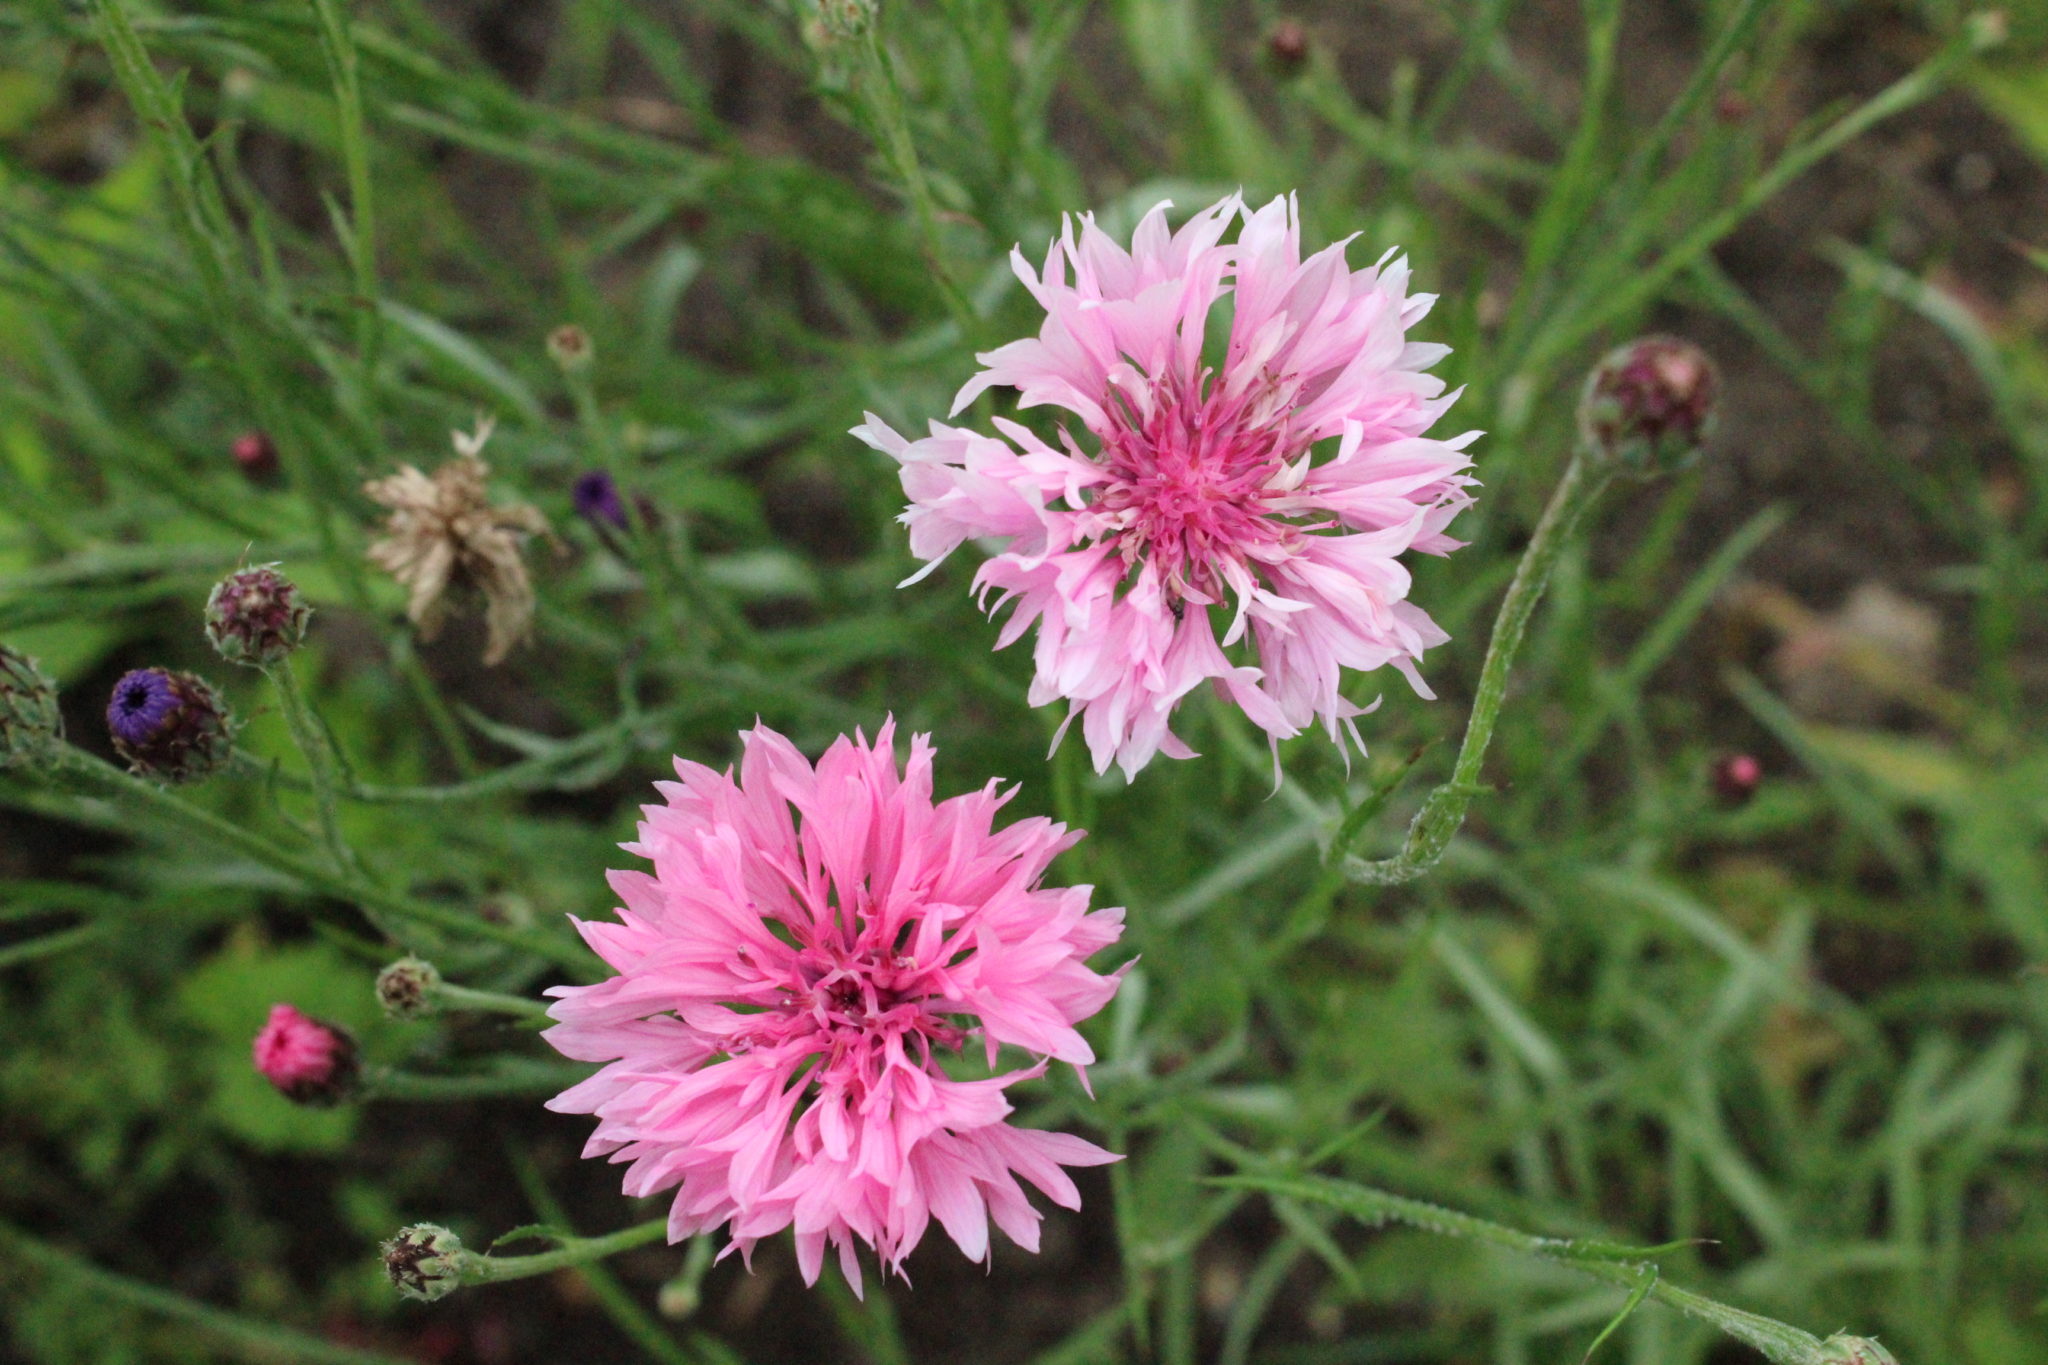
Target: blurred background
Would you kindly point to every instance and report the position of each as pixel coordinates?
(1744, 948)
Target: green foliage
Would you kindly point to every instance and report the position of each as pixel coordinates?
(1797, 1042)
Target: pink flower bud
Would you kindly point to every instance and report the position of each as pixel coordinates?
(310, 1061)
(1736, 777)
(256, 453)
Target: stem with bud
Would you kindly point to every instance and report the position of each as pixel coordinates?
(1443, 812)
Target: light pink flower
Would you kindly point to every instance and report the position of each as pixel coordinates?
(1278, 480)
(810, 943)
(309, 1060)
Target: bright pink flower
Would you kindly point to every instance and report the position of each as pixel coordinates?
(810, 942)
(309, 1060)
(1279, 480)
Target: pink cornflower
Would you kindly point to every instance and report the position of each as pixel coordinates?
(309, 1060)
(809, 945)
(1278, 479)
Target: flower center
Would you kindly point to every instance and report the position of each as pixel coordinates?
(1191, 490)
(868, 1005)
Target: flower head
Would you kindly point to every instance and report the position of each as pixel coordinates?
(256, 616)
(30, 723)
(310, 1061)
(169, 725)
(1269, 487)
(810, 945)
(444, 531)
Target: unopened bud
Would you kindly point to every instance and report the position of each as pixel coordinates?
(406, 989)
(1649, 406)
(310, 1061)
(1847, 1350)
(30, 724)
(424, 1261)
(596, 498)
(1736, 777)
(256, 453)
(1287, 48)
(256, 616)
(569, 347)
(170, 726)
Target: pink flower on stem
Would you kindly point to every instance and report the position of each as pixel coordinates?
(1268, 488)
(310, 1061)
(810, 944)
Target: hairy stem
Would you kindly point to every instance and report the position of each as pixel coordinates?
(1628, 1267)
(475, 1268)
(321, 760)
(99, 778)
(1443, 811)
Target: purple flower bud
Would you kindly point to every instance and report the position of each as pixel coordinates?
(30, 724)
(1649, 406)
(256, 616)
(597, 499)
(169, 726)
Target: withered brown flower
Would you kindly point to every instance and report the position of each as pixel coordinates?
(444, 532)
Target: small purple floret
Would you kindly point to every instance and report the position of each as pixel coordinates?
(597, 499)
(145, 701)
(169, 726)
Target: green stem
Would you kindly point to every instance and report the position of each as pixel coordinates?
(456, 997)
(472, 1268)
(340, 48)
(248, 1338)
(103, 779)
(883, 96)
(1628, 1267)
(407, 658)
(512, 1077)
(1443, 811)
(597, 430)
(321, 760)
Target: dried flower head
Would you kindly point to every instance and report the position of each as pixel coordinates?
(30, 723)
(444, 532)
(424, 1261)
(256, 616)
(169, 725)
(811, 942)
(309, 1060)
(1270, 475)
